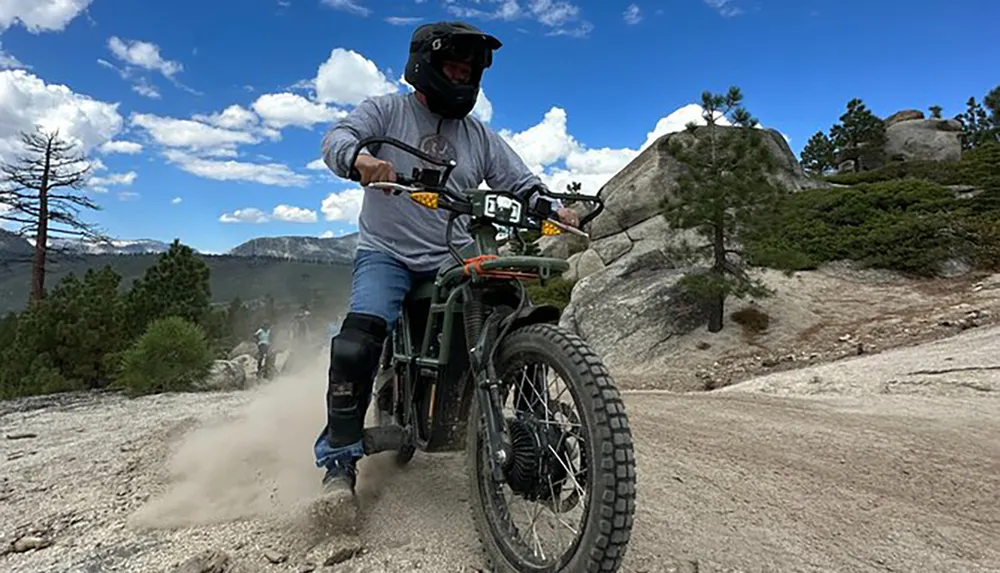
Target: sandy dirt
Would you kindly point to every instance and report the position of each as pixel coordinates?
(819, 316)
(853, 472)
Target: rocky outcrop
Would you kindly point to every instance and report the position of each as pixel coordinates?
(245, 347)
(627, 302)
(636, 192)
(630, 309)
(924, 139)
(225, 375)
(904, 115)
(631, 222)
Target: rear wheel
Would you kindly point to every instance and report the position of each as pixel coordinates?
(572, 474)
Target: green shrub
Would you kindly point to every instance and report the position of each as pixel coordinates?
(943, 173)
(907, 225)
(979, 167)
(171, 356)
(555, 292)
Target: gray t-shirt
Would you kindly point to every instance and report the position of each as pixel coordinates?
(395, 224)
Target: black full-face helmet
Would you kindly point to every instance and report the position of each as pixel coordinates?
(430, 47)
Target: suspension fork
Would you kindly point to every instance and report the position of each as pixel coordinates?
(480, 343)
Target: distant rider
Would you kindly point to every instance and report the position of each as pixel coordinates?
(263, 337)
(401, 242)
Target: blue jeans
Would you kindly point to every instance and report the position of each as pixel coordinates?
(379, 285)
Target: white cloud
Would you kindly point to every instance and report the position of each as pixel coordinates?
(176, 201)
(125, 147)
(544, 143)
(344, 205)
(317, 165)
(678, 120)
(115, 179)
(483, 108)
(327, 235)
(724, 7)
(127, 196)
(100, 183)
(230, 170)
(347, 78)
(285, 109)
(285, 213)
(350, 6)
(190, 134)
(143, 55)
(403, 20)
(26, 101)
(233, 117)
(551, 152)
(632, 14)
(10, 62)
(249, 215)
(146, 89)
(290, 214)
(560, 15)
(40, 15)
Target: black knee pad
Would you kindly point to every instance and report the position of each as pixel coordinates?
(355, 352)
(354, 358)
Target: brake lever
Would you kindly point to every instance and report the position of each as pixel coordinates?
(569, 229)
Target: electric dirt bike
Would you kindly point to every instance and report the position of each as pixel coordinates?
(468, 363)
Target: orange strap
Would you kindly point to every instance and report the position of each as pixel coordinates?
(476, 263)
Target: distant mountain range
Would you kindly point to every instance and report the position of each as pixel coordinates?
(294, 248)
(316, 249)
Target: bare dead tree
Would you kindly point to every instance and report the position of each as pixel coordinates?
(40, 189)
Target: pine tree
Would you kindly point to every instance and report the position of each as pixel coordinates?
(818, 154)
(176, 285)
(859, 137)
(935, 111)
(723, 191)
(40, 190)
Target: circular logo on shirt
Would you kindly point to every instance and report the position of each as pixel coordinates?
(438, 147)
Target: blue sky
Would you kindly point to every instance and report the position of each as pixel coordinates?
(214, 109)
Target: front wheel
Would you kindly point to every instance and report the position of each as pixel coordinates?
(572, 474)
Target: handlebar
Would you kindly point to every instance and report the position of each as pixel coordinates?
(435, 181)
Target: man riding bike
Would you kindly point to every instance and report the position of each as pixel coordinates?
(401, 242)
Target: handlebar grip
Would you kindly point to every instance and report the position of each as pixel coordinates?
(354, 174)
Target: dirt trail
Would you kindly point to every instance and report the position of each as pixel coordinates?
(863, 476)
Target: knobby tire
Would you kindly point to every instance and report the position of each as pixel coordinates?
(611, 468)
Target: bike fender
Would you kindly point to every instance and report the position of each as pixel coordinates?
(545, 313)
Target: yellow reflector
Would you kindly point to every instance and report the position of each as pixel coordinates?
(549, 228)
(426, 198)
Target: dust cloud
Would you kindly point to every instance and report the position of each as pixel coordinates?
(252, 463)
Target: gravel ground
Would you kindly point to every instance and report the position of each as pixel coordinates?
(881, 463)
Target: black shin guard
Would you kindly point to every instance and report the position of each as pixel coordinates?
(354, 356)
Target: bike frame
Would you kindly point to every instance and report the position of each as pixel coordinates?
(438, 373)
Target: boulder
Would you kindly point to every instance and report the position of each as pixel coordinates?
(635, 193)
(225, 375)
(627, 303)
(904, 115)
(244, 347)
(924, 139)
(583, 264)
(247, 362)
(629, 310)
